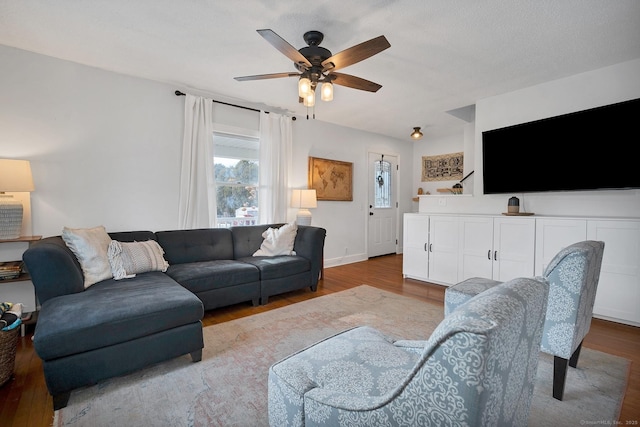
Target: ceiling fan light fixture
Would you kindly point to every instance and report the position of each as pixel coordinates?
(326, 93)
(304, 86)
(416, 134)
(309, 100)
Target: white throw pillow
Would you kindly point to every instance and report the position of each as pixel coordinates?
(90, 246)
(130, 258)
(278, 241)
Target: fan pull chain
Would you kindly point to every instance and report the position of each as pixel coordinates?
(313, 112)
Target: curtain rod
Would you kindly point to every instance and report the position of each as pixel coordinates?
(178, 93)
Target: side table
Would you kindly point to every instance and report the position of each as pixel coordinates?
(19, 289)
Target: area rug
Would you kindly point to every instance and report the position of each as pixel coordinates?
(229, 386)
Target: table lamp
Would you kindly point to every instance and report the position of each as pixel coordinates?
(15, 176)
(303, 200)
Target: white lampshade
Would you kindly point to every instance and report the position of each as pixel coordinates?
(304, 87)
(309, 100)
(326, 91)
(303, 199)
(15, 176)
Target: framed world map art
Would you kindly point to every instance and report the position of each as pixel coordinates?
(332, 179)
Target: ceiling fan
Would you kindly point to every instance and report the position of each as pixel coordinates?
(318, 65)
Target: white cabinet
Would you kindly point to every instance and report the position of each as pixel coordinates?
(500, 248)
(514, 248)
(415, 257)
(476, 247)
(443, 249)
(618, 295)
(448, 249)
(430, 250)
(553, 235)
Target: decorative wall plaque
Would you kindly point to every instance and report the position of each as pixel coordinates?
(445, 167)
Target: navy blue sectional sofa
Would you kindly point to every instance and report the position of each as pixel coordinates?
(115, 327)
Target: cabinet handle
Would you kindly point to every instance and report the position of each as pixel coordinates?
(489, 254)
(495, 256)
(431, 247)
(425, 247)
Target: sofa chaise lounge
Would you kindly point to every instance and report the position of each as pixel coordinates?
(114, 327)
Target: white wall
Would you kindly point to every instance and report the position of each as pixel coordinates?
(579, 92)
(346, 222)
(103, 146)
(105, 149)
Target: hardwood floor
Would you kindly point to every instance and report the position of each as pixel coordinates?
(24, 400)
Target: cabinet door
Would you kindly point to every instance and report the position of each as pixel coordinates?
(443, 249)
(553, 235)
(415, 257)
(476, 247)
(618, 294)
(513, 248)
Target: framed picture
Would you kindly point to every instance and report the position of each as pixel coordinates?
(445, 167)
(332, 179)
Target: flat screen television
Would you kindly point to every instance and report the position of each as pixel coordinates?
(586, 150)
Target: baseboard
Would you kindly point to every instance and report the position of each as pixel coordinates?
(614, 319)
(347, 259)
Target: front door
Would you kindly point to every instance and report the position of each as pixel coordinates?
(383, 207)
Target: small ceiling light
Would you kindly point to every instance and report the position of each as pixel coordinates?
(304, 86)
(416, 134)
(309, 100)
(327, 91)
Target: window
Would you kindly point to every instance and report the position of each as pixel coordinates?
(382, 184)
(235, 164)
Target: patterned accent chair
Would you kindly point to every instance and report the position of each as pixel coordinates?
(573, 275)
(477, 368)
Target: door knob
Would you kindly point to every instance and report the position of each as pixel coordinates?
(370, 213)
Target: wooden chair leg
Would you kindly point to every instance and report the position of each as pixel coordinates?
(560, 371)
(573, 362)
(559, 376)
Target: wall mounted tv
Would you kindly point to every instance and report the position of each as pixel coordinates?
(586, 150)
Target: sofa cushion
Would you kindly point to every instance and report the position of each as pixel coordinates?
(278, 241)
(130, 258)
(247, 240)
(209, 275)
(132, 236)
(89, 245)
(278, 266)
(112, 312)
(182, 246)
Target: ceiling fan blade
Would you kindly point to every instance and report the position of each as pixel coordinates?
(354, 82)
(266, 76)
(356, 53)
(283, 46)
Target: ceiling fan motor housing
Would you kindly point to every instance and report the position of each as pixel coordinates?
(314, 54)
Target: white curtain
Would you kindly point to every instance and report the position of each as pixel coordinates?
(197, 202)
(276, 145)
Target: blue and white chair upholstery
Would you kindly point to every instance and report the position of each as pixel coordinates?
(573, 275)
(478, 368)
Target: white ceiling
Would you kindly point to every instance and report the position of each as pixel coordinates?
(444, 54)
